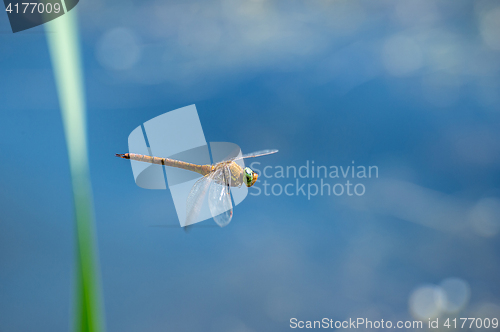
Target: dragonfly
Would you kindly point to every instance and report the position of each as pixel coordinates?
(217, 181)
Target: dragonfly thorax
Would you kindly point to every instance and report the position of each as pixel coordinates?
(239, 175)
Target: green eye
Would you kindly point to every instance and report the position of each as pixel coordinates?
(248, 176)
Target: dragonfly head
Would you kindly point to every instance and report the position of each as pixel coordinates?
(250, 176)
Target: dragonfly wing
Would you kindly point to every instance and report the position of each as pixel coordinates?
(219, 197)
(256, 154)
(195, 198)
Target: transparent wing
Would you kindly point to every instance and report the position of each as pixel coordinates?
(256, 154)
(195, 198)
(219, 197)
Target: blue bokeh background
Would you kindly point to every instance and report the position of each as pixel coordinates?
(409, 86)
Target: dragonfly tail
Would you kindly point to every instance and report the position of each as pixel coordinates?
(123, 155)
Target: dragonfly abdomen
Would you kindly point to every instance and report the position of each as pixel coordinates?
(201, 169)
